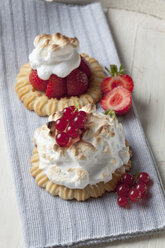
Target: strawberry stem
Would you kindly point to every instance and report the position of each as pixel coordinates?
(136, 176)
(110, 112)
(76, 107)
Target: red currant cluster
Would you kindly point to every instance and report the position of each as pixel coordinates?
(70, 126)
(131, 188)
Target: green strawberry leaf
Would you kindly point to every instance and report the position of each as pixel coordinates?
(114, 72)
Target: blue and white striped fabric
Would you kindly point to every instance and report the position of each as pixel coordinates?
(50, 221)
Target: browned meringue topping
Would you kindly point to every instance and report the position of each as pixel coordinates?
(55, 41)
(93, 159)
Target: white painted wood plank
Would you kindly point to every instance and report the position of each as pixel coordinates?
(140, 42)
(11, 234)
(152, 7)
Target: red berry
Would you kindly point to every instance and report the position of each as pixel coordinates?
(77, 83)
(61, 124)
(77, 122)
(70, 112)
(62, 139)
(56, 87)
(37, 83)
(72, 132)
(123, 202)
(128, 179)
(83, 114)
(119, 99)
(142, 187)
(72, 108)
(123, 189)
(117, 79)
(143, 177)
(85, 67)
(135, 195)
(110, 83)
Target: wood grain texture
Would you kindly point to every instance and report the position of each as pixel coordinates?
(140, 40)
(150, 7)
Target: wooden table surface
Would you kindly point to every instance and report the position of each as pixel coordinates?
(138, 28)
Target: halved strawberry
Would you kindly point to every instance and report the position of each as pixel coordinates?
(119, 99)
(56, 87)
(85, 67)
(37, 83)
(118, 78)
(77, 83)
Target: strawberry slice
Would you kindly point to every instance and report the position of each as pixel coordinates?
(85, 67)
(119, 99)
(118, 78)
(77, 83)
(37, 83)
(56, 87)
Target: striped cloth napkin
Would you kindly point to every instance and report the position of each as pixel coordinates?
(50, 221)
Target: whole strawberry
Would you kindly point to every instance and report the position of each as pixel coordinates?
(117, 78)
(56, 87)
(85, 67)
(36, 82)
(77, 83)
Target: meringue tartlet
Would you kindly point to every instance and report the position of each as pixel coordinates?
(48, 82)
(88, 167)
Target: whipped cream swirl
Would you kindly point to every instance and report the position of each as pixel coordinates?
(54, 54)
(101, 151)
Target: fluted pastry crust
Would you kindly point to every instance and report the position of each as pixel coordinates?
(43, 106)
(65, 193)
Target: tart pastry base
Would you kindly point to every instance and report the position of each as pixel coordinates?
(65, 193)
(43, 106)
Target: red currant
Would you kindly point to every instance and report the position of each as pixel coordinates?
(123, 201)
(135, 195)
(72, 131)
(61, 124)
(142, 187)
(143, 177)
(123, 190)
(83, 114)
(70, 112)
(62, 139)
(72, 108)
(128, 179)
(78, 122)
